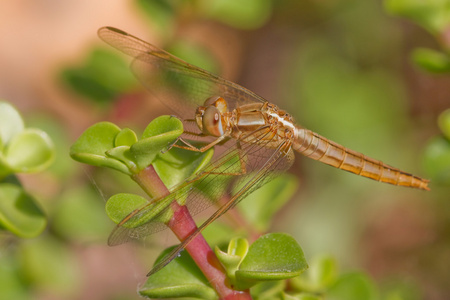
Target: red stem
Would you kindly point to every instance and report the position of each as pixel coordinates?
(182, 224)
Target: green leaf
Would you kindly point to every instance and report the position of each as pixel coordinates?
(260, 206)
(19, 212)
(84, 84)
(11, 285)
(322, 273)
(11, 123)
(431, 60)
(180, 278)
(119, 79)
(268, 289)
(48, 265)
(274, 256)
(436, 160)
(31, 150)
(103, 76)
(237, 249)
(62, 167)
(126, 137)
(92, 145)
(353, 286)
(167, 126)
(177, 165)
(230, 263)
(159, 134)
(444, 123)
(123, 154)
(173, 166)
(160, 12)
(238, 246)
(434, 15)
(79, 216)
(121, 205)
(251, 15)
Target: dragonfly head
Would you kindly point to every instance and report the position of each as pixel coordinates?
(209, 117)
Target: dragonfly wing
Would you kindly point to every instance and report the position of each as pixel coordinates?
(234, 168)
(206, 187)
(178, 84)
(142, 222)
(276, 164)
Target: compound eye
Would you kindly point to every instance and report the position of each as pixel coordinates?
(211, 100)
(212, 121)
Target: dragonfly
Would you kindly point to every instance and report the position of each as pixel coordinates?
(258, 137)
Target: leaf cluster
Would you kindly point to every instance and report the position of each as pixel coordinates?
(22, 150)
(433, 16)
(271, 257)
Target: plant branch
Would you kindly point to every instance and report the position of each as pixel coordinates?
(182, 224)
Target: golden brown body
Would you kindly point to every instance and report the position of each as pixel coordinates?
(249, 118)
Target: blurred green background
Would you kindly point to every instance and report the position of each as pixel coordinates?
(371, 75)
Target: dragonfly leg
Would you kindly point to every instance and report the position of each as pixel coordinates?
(191, 147)
(170, 146)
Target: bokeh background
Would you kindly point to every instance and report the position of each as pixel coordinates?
(349, 70)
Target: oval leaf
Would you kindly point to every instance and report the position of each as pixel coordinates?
(178, 164)
(437, 160)
(444, 123)
(322, 273)
(353, 286)
(180, 278)
(273, 256)
(158, 135)
(91, 147)
(11, 122)
(96, 140)
(126, 137)
(19, 212)
(31, 150)
(431, 60)
(164, 125)
(238, 246)
(121, 205)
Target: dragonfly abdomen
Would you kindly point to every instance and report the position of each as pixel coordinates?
(319, 148)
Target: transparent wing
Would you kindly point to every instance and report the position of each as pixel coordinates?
(179, 85)
(207, 187)
(277, 163)
(183, 87)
